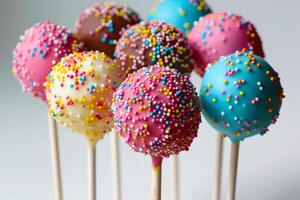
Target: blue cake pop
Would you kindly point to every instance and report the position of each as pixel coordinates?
(179, 13)
(241, 95)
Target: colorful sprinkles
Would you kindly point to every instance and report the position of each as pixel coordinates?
(220, 34)
(153, 43)
(247, 102)
(41, 46)
(157, 111)
(79, 92)
(181, 14)
(101, 25)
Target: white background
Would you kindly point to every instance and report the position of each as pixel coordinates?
(269, 167)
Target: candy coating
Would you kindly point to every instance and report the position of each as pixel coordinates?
(101, 25)
(241, 95)
(79, 92)
(41, 47)
(157, 111)
(153, 43)
(221, 34)
(179, 13)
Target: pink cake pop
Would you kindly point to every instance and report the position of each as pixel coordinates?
(157, 112)
(41, 46)
(221, 34)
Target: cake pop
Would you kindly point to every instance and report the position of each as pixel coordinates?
(153, 43)
(101, 25)
(157, 112)
(79, 92)
(179, 13)
(41, 46)
(241, 96)
(216, 35)
(221, 34)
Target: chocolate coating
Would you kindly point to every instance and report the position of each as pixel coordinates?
(154, 43)
(101, 25)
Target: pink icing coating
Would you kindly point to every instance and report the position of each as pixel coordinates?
(220, 34)
(156, 161)
(41, 46)
(157, 112)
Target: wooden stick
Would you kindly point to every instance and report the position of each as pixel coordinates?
(218, 168)
(175, 178)
(91, 171)
(116, 165)
(233, 170)
(156, 183)
(54, 145)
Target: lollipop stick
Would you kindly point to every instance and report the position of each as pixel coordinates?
(233, 170)
(218, 168)
(91, 171)
(175, 178)
(156, 181)
(55, 158)
(116, 165)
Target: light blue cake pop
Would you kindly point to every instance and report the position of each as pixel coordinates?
(179, 13)
(241, 95)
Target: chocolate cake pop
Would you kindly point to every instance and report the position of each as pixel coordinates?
(154, 43)
(101, 25)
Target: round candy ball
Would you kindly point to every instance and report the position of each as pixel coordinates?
(221, 34)
(154, 43)
(179, 13)
(157, 111)
(101, 25)
(41, 47)
(79, 91)
(241, 95)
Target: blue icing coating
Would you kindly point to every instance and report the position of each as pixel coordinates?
(179, 13)
(241, 95)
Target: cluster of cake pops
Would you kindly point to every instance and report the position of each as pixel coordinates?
(116, 73)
